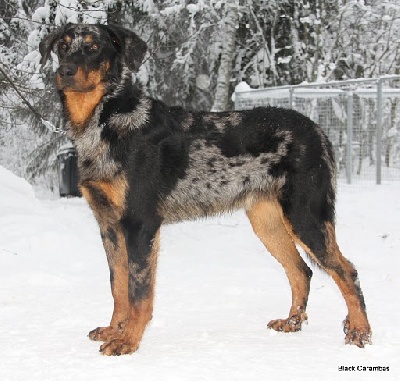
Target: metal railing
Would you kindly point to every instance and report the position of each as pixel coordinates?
(361, 117)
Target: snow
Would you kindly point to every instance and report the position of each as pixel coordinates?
(14, 191)
(283, 92)
(284, 60)
(392, 133)
(241, 87)
(171, 10)
(372, 93)
(40, 14)
(217, 289)
(192, 8)
(203, 81)
(71, 11)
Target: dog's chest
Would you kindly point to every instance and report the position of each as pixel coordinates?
(94, 158)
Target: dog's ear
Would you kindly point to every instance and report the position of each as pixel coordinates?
(48, 42)
(129, 44)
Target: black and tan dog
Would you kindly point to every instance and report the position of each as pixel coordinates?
(143, 164)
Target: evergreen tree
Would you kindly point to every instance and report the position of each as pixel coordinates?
(198, 51)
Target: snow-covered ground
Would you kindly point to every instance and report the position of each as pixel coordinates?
(217, 288)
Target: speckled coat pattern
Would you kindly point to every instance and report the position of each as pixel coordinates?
(143, 164)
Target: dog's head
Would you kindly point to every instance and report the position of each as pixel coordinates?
(92, 55)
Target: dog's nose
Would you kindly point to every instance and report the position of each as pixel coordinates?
(67, 70)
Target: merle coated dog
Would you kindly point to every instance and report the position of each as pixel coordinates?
(143, 164)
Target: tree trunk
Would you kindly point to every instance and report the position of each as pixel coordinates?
(221, 99)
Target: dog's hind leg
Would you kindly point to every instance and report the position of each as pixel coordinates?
(266, 220)
(309, 217)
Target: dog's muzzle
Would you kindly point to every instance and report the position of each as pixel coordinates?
(67, 70)
(66, 76)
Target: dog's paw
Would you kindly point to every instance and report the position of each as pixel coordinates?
(106, 333)
(356, 336)
(291, 324)
(118, 347)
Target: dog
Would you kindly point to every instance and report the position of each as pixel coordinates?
(143, 164)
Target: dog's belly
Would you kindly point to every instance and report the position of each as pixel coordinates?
(214, 183)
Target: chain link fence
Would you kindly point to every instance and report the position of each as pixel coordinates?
(361, 118)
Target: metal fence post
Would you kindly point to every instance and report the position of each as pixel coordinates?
(291, 89)
(379, 106)
(349, 142)
(350, 96)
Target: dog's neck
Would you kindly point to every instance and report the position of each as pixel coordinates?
(79, 106)
(92, 136)
(118, 85)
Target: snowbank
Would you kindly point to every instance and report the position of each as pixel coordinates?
(217, 288)
(15, 192)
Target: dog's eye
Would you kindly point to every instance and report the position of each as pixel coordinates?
(94, 47)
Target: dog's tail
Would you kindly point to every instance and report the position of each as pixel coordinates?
(309, 193)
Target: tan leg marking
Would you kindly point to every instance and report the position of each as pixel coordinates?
(108, 216)
(266, 220)
(356, 325)
(140, 314)
(119, 288)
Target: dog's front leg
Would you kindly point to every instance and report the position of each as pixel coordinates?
(117, 256)
(142, 243)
